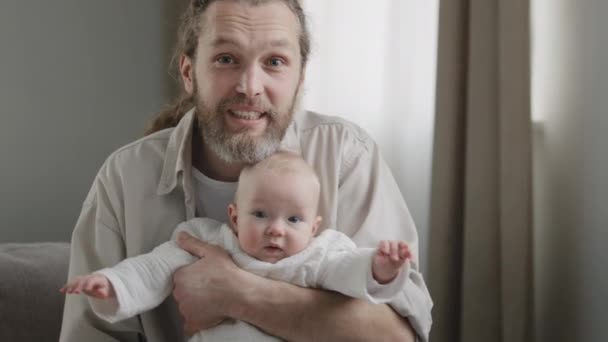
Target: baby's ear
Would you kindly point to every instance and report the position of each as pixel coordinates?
(233, 218)
(316, 225)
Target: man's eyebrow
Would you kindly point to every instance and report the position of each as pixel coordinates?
(230, 41)
(280, 43)
(224, 41)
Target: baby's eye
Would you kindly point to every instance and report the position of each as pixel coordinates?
(259, 214)
(294, 219)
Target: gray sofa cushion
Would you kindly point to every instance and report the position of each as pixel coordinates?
(30, 302)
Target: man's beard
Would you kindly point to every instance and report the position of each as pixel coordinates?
(240, 147)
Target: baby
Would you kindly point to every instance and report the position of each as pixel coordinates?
(273, 222)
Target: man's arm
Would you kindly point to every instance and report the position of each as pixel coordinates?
(96, 243)
(301, 314)
(290, 312)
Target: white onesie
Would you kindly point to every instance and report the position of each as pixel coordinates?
(331, 261)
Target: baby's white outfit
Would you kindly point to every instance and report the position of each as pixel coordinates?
(331, 261)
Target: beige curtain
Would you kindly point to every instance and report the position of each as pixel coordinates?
(480, 257)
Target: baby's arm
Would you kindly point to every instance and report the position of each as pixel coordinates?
(347, 269)
(93, 285)
(389, 259)
(132, 286)
(142, 282)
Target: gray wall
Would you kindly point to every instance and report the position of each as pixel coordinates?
(78, 79)
(571, 156)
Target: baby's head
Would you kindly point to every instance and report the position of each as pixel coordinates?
(274, 213)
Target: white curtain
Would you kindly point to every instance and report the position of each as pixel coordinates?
(570, 107)
(374, 64)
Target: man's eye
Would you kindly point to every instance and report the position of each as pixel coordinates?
(259, 214)
(294, 219)
(225, 59)
(275, 62)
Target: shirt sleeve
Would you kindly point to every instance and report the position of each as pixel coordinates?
(141, 283)
(370, 202)
(348, 270)
(97, 242)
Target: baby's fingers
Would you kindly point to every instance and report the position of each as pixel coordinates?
(404, 251)
(79, 286)
(97, 291)
(91, 283)
(394, 251)
(65, 288)
(71, 286)
(384, 248)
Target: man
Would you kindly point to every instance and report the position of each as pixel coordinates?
(242, 65)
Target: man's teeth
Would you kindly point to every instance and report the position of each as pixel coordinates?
(246, 115)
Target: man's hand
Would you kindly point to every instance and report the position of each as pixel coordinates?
(206, 289)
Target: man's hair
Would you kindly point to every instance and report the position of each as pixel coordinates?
(187, 44)
(282, 162)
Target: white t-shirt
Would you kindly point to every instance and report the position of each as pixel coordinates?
(212, 196)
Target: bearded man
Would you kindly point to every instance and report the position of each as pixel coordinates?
(241, 63)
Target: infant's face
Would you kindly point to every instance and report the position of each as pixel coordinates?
(276, 215)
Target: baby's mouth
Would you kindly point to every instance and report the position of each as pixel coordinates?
(273, 249)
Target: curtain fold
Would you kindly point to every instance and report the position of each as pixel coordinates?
(480, 256)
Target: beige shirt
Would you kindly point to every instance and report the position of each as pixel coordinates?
(145, 189)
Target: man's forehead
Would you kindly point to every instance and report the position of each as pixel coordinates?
(225, 21)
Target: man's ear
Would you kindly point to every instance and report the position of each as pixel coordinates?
(316, 225)
(233, 217)
(186, 71)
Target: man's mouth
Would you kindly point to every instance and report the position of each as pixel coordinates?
(246, 115)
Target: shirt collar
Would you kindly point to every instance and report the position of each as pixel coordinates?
(291, 140)
(178, 156)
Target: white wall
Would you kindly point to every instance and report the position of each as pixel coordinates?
(571, 163)
(77, 80)
(375, 65)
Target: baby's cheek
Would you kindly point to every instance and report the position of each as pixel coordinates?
(299, 244)
(248, 242)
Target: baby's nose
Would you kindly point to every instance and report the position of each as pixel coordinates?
(275, 229)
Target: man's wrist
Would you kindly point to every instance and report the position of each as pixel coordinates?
(239, 303)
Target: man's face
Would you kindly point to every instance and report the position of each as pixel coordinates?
(246, 77)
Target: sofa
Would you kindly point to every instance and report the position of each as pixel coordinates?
(31, 305)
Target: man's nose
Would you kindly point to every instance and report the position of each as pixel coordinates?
(250, 82)
(276, 228)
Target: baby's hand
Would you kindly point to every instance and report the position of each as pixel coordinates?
(93, 285)
(389, 258)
